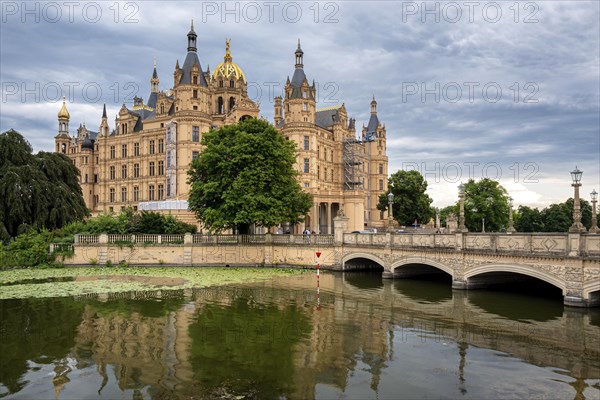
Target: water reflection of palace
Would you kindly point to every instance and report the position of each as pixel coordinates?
(270, 340)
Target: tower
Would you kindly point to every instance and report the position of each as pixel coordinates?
(300, 97)
(62, 139)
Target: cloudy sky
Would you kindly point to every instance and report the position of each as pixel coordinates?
(506, 90)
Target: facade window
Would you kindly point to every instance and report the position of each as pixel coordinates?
(195, 93)
(381, 184)
(123, 194)
(195, 155)
(161, 145)
(86, 178)
(124, 171)
(111, 195)
(306, 143)
(113, 173)
(195, 81)
(220, 83)
(306, 165)
(136, 149)
(318, 172)
(381, 168)
(331, 155)
(161, 168)
(195, 133)
(113, 152)
(304, 94)
(231, 84)
(124, 151)
(136, 193)
(151, 192)
(151, 168)
(136, 170)
(306, 184)
(161, 191)
(162, 108)
(168, 186)
(152, 147)
(304, 106)
(95, 178)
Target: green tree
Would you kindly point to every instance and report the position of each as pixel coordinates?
(245, 175)
(39, 191)
(529, 220)
(410, 200)
(485, 199)
(559, 217)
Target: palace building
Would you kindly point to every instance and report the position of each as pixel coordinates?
(143, 159)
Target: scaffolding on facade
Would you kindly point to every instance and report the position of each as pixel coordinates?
(354, 162)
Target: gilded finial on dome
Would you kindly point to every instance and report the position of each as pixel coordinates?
(64, 113)
(228, 69)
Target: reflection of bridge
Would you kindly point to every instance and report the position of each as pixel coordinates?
(570, 261)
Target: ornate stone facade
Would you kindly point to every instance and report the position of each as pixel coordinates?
(145, 156)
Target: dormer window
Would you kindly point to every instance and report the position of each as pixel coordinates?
(195, 80)
(232, 83)
(220, 83)
(304, 94)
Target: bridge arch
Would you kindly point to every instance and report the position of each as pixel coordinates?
(422, 261)
(517, 269)
(361, 256)
(591, 292)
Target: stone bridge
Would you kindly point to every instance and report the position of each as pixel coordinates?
(569, 261)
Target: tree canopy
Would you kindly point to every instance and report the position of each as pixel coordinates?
(554, 218)
(485, 199)
(39, 191)
(410, 200)
(245, 175)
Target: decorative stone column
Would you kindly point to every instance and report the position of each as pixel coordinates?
(340, 226)
(594, 227)
(577, 225)
(461, 216)
(511, 228)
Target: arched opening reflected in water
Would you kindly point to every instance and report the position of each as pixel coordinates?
(423, 283)
(362, 264)
(516, 296)
(364, 279)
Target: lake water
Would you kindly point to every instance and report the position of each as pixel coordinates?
(364, 337)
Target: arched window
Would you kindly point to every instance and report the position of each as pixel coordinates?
(64, 148)
(220, 105)
(231, 103)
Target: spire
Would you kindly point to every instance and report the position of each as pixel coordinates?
(373, 106)
(154, 81)
(227, 57)
(299, 55)
(63, 113)
(192, 38)
(104, 111)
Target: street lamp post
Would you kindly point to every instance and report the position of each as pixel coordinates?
(390, 212)
(437, 220)
(511, 227)
(594, 227)
(461, 216)
(577, 225)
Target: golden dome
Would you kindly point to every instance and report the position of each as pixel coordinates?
(63, 113)
(228, 69)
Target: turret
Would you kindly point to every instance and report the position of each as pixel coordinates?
(278, 114)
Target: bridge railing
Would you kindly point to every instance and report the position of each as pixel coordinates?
(537, 243)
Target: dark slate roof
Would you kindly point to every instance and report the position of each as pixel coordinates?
(143, 113)
(139, 126)
(172, 109)
(298, 77)
(325, 118)
(371, 133)
(152, 99)
(188, 64)
(87, 144)
(351, 123)
(154, 74)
